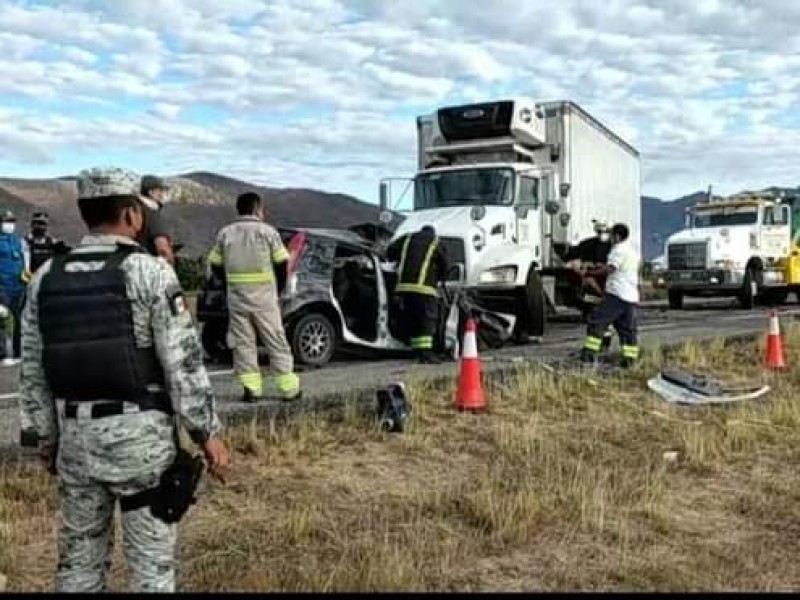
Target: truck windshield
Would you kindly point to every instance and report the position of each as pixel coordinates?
(469, 187)
(724, 217)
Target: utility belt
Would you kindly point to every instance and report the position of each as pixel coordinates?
(175, 492)
(100, 409)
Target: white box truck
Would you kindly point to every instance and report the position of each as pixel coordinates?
(506, 182)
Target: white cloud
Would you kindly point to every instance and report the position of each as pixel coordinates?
(328, 89)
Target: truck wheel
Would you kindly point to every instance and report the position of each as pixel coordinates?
(675, 300)
(776, 297)
(531, 314)
(749, 291)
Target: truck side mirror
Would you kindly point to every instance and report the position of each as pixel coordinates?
(384, 195)
(552, 207)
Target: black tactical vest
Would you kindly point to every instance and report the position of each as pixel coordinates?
(86, 320)
(41, 250)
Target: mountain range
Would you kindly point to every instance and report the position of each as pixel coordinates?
(201, 202)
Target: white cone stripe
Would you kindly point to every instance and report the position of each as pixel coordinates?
(774, 325)
(470, 345)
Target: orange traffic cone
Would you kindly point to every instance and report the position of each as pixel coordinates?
(469, 395)
(776, 360)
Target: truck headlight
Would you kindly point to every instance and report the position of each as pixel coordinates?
(506, 274)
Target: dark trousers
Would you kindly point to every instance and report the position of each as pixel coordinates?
(612, 311)
(13, 301)
(418, 317)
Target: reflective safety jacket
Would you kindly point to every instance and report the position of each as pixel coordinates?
(249, 251)
(422, 263)
(86, 322)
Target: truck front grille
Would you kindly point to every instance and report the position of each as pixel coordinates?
(691, 256)
(454, 248)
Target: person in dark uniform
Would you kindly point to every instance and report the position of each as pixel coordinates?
(586, 256)
(155, 237)
(422, 265)
(41, 245)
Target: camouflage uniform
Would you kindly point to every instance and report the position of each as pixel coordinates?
(247, 249)
(100, 459)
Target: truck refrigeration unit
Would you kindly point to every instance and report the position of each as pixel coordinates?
(505, 184)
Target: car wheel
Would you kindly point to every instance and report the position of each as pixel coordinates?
(213, 338)
(313, 339)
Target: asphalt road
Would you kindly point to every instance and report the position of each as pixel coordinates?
(348, 378)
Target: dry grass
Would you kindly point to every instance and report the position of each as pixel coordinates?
(563, 486)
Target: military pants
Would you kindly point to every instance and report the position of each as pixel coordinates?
(419, 315)
(100, 460)
(622, 316)
(247, 323)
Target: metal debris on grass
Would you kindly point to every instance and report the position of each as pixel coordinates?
(681, 387)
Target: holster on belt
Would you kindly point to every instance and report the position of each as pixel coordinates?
(175, 492)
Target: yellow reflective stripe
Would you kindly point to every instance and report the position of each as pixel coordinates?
(630, 351)
(593, 343)
(252, 381)
(215, 256)
(280, 256)
(424, 342)
(403, 254)
(250, 278)
(413, 288)
(423, 271)
(288, 384)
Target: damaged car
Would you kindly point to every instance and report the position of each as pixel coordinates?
(338, 299)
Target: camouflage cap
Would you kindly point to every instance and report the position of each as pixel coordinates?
(102, 182)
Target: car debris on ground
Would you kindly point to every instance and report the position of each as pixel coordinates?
(681, 387)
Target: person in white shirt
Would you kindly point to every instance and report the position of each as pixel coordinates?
(618, 307)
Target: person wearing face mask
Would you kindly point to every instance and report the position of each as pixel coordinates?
(41, 245)
(112, 367)
(254, 261)
(14, 276)
(581, 259)
(155, 236)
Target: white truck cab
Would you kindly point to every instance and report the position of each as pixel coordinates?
(737, 246)
(503, 183)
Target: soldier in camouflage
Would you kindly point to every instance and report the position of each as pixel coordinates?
(108, 448)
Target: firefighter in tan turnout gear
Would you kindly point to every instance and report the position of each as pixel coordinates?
(254, 260)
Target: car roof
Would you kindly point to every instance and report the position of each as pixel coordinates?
(335, 235)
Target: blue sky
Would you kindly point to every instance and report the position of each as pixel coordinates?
(324, 93)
